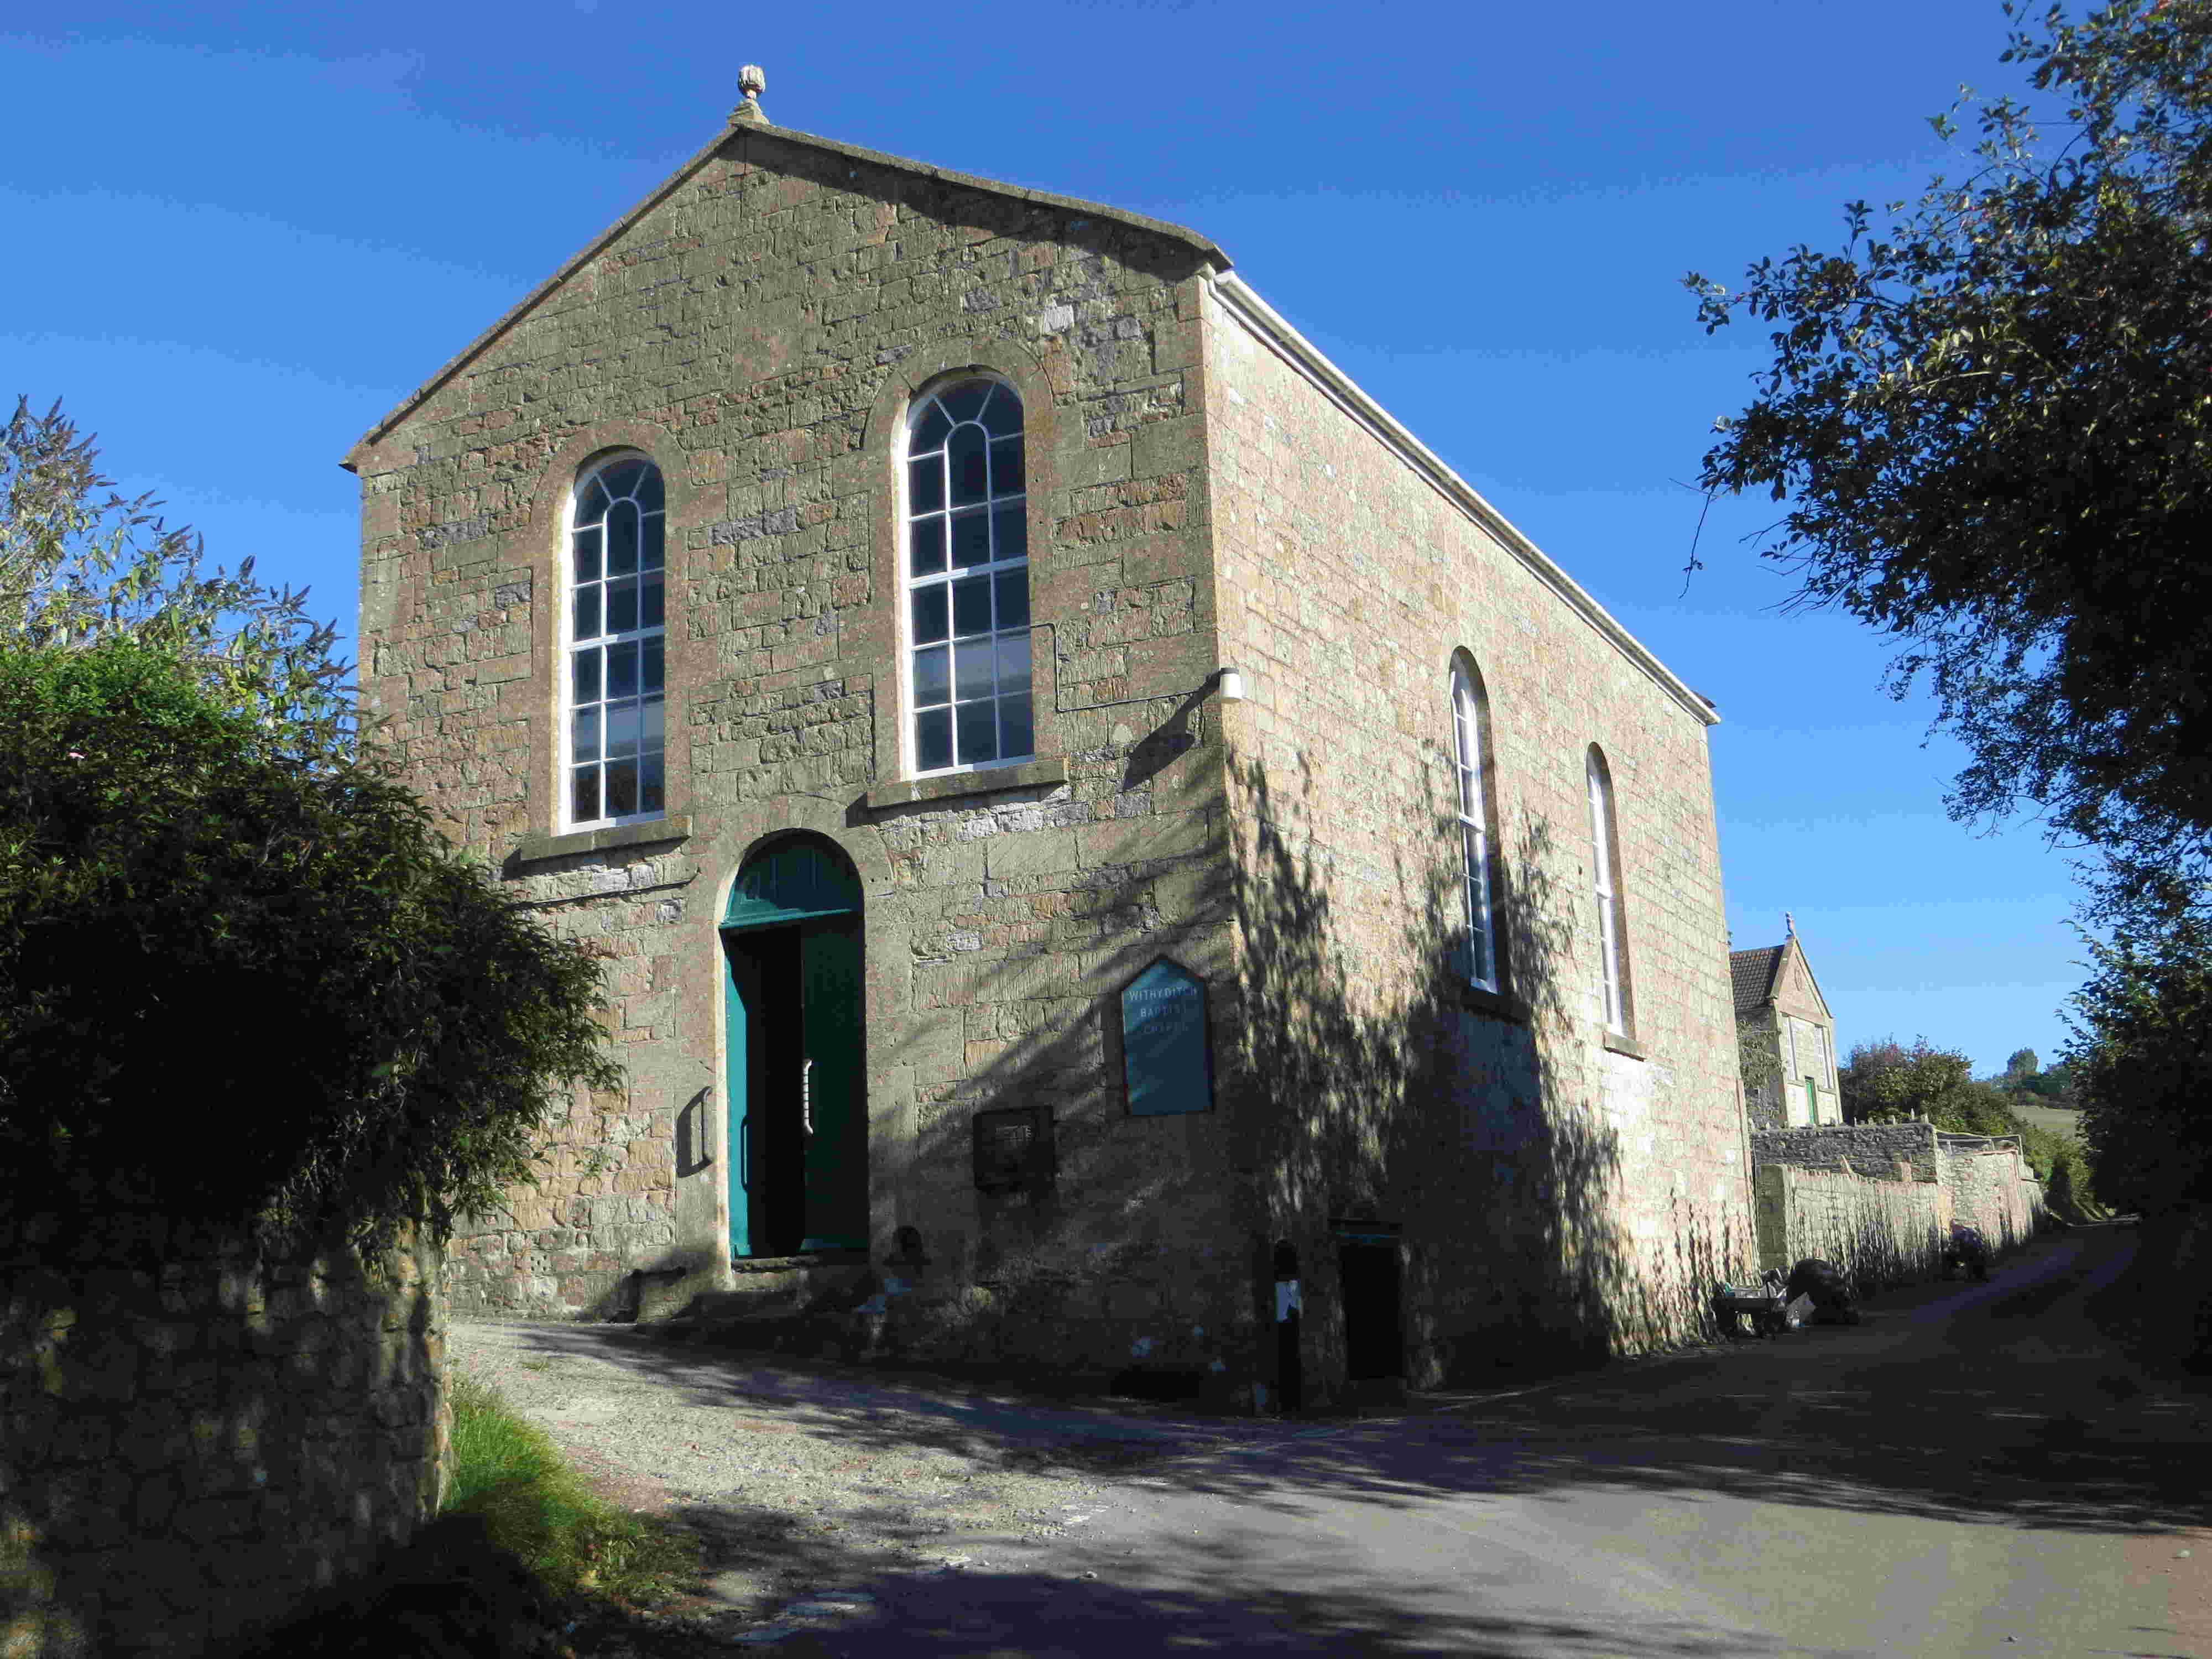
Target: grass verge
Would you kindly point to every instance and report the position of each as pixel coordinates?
(510, 1476)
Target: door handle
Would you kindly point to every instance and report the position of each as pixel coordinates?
(806, 1096)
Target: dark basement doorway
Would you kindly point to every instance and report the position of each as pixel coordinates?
(1374, 1326)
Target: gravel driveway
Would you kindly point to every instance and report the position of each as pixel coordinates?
(1975, 1471)
(804, 1476)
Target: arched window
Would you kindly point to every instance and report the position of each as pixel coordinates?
(1605, 863)
(968, 579)
(1478, 953)
(616, 690)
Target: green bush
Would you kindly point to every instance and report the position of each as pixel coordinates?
(1887, 1083)
(250, 985)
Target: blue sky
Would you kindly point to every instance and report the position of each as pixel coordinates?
(241, 234)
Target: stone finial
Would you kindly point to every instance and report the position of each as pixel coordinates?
(1789, 924)
(752, 80)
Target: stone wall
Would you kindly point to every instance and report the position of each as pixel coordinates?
(1882, 1232)
(1993, 1190)
(759, 330)
(1864, 1192)
(1868, 1149)
(1555, 1189)
(192, 1448)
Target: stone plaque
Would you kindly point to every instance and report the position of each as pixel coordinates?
(1167, 1063)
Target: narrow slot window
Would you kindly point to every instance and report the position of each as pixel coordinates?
(1479, 946)
(1605, 849)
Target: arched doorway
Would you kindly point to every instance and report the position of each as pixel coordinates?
(797, 1085)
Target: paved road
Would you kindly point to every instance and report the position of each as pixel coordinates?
(1970, 1473)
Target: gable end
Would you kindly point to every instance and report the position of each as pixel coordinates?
(748, 142)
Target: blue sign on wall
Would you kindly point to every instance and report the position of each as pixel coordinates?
(1166, 1061)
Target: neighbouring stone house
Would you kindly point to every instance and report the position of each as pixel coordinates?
(1084, 815)
(1778, 1001)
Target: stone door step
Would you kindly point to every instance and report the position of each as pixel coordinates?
(781, 1290)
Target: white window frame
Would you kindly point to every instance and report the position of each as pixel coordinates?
(1612, 953)
(911, 649)
(1468, 756)
(572, 645)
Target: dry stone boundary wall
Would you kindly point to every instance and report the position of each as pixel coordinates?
(1879, 1198)
(191, 1449)
(1993, 1190)
(1868, 1149)
(1879, 1233)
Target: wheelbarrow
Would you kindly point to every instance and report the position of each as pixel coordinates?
(1766, 1307)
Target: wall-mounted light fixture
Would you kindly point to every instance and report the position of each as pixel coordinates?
(1231, 685)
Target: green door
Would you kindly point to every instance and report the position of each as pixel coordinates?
(835, 1126)
(741, 1003)
(796, 1121)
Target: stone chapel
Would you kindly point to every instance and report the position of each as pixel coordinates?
(1088, 821)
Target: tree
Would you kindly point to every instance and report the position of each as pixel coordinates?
(2143, 1056)
(2054, 1086)
(207, 894)
(2022, 1066)
(1922, 1081)
(1856, 1077)
(1988, 418)
(79, 564)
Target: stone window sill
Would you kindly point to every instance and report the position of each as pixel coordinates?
(1496, 1005)
(999, 779)
(1617, 1044)
(537, 849)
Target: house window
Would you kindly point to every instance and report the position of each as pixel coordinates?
(968, 579)
(1612, 948)
(616, 700)
(1479, 949)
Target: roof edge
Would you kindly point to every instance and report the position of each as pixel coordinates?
(1183, 234)
(743, 134)
(1257, 314)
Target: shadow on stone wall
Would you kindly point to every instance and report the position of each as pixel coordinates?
(1481, 1128)
(196, 1438)
(1349, 1093)
(1881, 1233)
